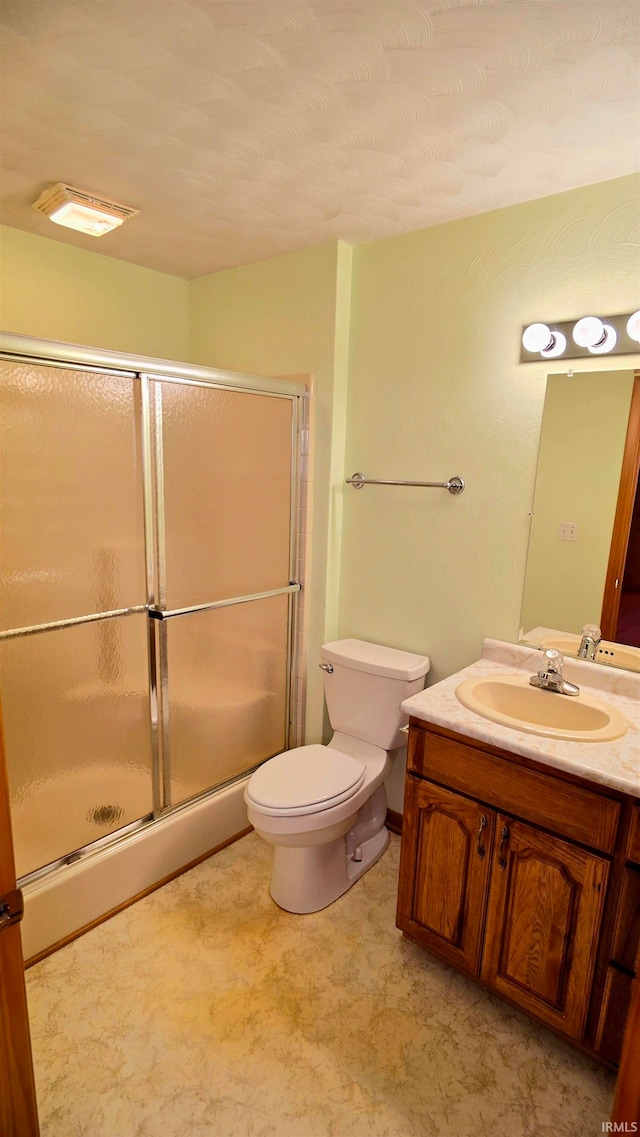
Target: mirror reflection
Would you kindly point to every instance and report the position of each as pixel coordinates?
(582, 583)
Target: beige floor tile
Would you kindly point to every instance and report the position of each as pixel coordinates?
(206, 1011)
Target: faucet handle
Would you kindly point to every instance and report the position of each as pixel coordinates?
(590, 642)
(553, 660)
(550, 677)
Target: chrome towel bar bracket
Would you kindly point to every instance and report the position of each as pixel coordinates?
(455, 485)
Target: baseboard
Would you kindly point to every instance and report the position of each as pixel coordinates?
(394, 821)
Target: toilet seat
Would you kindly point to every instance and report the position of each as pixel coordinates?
(305, 780)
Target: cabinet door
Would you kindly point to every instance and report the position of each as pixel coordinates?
(444, 872)
(543, 922)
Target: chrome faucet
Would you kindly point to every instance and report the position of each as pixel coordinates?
(549, 677)
(590, 642)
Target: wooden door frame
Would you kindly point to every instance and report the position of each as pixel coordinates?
(18, 1109)
(622, 522)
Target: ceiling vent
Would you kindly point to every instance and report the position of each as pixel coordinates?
(81, 210)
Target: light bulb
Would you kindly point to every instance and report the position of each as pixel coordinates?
(588, 332)
(557, 347)
(610, 338)
(537, 337)
(633, 326)
(85, 219)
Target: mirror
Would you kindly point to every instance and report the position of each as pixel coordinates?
(582, 446)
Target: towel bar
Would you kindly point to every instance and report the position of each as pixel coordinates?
(455, 485)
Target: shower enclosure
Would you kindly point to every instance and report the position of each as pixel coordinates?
(148, 591)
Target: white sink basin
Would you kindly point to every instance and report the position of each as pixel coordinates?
(511, 701)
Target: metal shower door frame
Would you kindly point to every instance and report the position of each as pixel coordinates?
(145, 371)
(155, 547)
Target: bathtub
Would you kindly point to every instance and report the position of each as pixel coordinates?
(72, 898)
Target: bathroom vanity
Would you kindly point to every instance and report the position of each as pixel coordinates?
(520, 861)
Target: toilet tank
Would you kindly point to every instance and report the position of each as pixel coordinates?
(367, 686)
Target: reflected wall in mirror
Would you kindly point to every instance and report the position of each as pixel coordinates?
(585, 528)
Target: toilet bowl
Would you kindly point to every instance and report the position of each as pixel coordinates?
(323, 808)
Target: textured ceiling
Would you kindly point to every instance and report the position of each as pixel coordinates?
(246, 129)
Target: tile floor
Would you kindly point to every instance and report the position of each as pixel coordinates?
(206, 1011)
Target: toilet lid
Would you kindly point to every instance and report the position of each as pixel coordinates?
(307, 778)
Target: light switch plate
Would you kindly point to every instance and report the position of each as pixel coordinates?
(568, 531)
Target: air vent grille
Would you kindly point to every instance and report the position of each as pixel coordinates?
(61, 193)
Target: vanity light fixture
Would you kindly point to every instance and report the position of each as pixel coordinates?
(557, 347)
(78, 209)
(633, 326)
(607, 342)
(538, 337)
(589, 332)
(575, 339)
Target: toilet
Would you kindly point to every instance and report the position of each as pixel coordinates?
(323, 808)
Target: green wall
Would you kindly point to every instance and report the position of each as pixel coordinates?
(414, 346)
(55, 291)
(436, 389)
(290, 316)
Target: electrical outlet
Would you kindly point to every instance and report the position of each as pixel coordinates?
(568, 531)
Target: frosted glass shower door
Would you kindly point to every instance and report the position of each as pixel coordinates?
(227, 692)
(228, 505)
(73, 672)
(71, 502)
(77, 738)
(227, 492)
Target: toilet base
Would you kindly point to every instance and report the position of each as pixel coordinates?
(310, 878)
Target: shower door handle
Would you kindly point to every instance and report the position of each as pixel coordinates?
(11, 908)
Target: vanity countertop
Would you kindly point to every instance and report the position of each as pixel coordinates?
(615, 764)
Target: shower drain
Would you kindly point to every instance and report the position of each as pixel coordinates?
(105, 814)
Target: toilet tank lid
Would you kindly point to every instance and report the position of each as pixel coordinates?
(376, 659)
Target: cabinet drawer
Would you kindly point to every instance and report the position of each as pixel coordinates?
(563, 807)
(633, 848)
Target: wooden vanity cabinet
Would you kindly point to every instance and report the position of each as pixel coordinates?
(449, 839)
(507, 873)
(543, 923)
(619, 961)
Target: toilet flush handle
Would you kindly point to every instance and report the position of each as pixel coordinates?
(326, 667)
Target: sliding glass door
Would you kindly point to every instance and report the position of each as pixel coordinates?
(146, 594)
(73, 652)
(225, 507)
